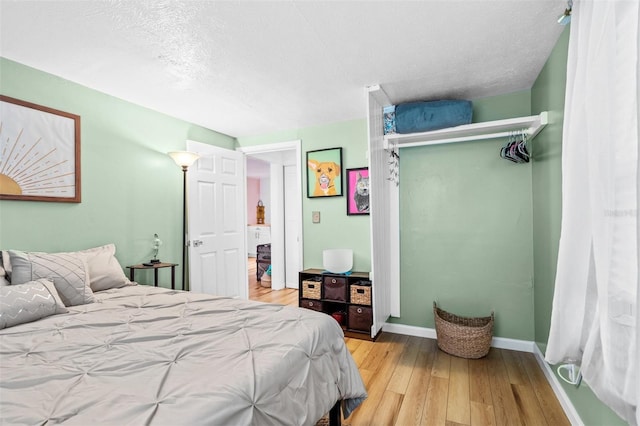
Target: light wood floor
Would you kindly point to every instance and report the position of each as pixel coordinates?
(411, 382)
(287, 296)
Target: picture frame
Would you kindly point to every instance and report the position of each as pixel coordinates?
(324, 173)
(358, 191)
(39, 153)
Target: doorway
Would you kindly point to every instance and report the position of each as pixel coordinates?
(281, 194)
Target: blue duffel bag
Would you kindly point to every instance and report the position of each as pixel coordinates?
(414, 117)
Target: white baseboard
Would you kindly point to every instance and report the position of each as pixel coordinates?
(504, 343)
(409, 330)
(497, 342)
(562, 396)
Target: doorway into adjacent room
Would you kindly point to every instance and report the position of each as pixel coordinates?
(274, 182)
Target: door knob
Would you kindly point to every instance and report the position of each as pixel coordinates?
(197, 243)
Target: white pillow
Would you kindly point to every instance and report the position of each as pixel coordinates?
(104, 270)
(68, 272)
(28, 302)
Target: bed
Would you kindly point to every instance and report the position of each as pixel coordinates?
(138, 354)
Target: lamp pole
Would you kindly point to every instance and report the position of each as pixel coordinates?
(184, 159)
(185, 237)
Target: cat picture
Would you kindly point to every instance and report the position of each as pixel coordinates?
(361, 196)
(358, 202)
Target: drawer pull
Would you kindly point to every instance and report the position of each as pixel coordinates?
(360, 291)
(359, 310)
(333, 281)
(311, 285)
(310, 303)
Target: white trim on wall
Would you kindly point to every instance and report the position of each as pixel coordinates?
(275, 149)
(430, 333)
(385, 253)
(272, 147)
(562, 396)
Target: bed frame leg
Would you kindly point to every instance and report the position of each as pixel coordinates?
(334, 415)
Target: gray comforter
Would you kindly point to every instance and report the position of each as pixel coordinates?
(141, 355)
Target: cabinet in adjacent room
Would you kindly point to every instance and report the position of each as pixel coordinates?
(347, 298)
(257, 235)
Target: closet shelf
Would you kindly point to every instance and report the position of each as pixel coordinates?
(471, 132)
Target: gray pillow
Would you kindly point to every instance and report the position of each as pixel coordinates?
(3, 274)
(6, 268)
(67, 271)
(28, 302)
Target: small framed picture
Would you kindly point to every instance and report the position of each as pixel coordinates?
(358, 191)
(324, 173)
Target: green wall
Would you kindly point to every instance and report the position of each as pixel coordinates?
(423, 220)
(465, 229)
(336, 229)
(548, 94)
(130, 188)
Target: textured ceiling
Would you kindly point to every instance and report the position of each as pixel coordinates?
(245, 68)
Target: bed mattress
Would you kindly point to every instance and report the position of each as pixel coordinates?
(145, 355)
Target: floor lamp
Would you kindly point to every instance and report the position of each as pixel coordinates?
(184, 159)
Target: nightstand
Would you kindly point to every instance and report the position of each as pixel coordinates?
(155, 267)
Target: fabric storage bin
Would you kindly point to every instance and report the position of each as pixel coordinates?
(335, 288)
(360, 318)
(415, 117)
(311, 289)
(360, 293)
(311, 304)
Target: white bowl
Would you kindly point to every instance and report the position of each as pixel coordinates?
(337, 261)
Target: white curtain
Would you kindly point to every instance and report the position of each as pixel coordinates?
(595, 309)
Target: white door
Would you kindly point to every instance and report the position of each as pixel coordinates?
(291, 226)
(217, 253)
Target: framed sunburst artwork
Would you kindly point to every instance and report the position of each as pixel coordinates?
(39, 153)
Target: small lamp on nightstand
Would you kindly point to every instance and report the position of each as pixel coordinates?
(157, 242)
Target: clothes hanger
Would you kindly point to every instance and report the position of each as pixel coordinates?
(523, 152)
(505, 152)
(516, 148)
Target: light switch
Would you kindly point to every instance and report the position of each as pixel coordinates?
(315, 217)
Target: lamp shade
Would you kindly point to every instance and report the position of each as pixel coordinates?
(184, 158)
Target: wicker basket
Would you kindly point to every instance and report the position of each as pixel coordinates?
(265, 281)
(463, 337)
(311, 289)
(361, 294)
